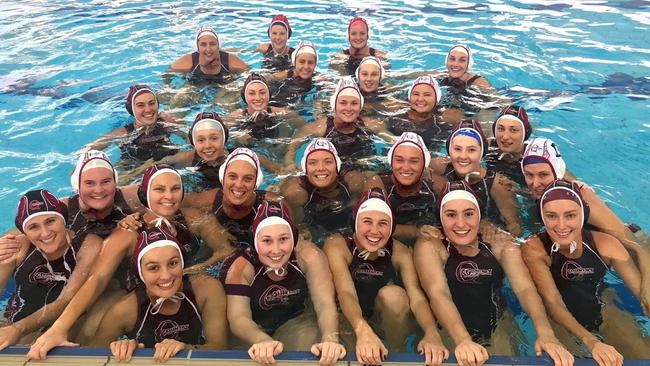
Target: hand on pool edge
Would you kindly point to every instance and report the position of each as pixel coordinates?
(264, 352)
(329, 352)
(48, 340)
(555, 350)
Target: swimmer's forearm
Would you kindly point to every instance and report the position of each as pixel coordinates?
(328, 323)
(248, 331)
(80, 302)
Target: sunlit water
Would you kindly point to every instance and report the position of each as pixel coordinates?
(580, 68)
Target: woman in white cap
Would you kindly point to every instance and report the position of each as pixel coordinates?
(293, 85)
(377, 286)
(568, 262)
(161, 192)
(50, 267)
(542, 163)
(267, 285)
(321, 198)
(459, 61)
(168, 311)
(463, 274)
(208, 136)
(235, 204)
(409, 187)
(208, 63)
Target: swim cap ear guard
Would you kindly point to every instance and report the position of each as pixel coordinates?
(425, 80)
(152, 238)
(304, 47)
(543, 150)
(415, 140)
(88, 160)
(37, 203)
(273, 213)
(465, 49)
(134, 91)
(374, 199)
(346, 82)
(370, 60)
(517, 113)
(471, 128)
(247, 155)
(280, 19)
(144, 189)
(252, 79)
(563, 189)
(208, 120)
(320, 144)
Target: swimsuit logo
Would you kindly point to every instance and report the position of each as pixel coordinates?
(40, 274)
(169, 329)
(276, 295)
(573, 271)
(14, 306)
(366, 272)
(35, 205)
(468, 272)
(154, 235)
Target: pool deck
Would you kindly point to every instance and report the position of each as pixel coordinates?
(101, 357)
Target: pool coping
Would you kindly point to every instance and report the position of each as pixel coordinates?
(102, 356)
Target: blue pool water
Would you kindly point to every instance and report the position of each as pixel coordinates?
(580, 68)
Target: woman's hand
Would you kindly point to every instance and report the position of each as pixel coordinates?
(9, 247)
(123, 349)
(166, 349)
(469, 353)
(264, 352)
(606, 355)
(431, 231)
(131, 222)
(434, 352)
(48, 340)
(370, 350)
(329, 352)
(555, 350)
(9, 335)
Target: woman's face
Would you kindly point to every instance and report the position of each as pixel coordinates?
(97, 188)
(369, 77)
(257, 97)
(166, 194)
(208, 49)
(457, 64)
(373, 230)
(465, 154)
(538, 176)
(145, 108)
(278, 35)
(563, 221)
(274, 245)
(305, 66)
(510, 136)
(162, 271)
(423, 99)
(460, 221)
(407, 164)
(348, 108)
(321, 169)
(239, 182)
(48, 233)
(208, 144)
(358, 36)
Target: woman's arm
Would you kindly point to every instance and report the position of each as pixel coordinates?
(105, 140)
(117, 321)
(212, 304)
(504, 196)
(277, 76)
(119, 244)
(403, 262)
(508, 254)
(316, 128)
(613, 253)
(296, 197)
(183, 64)
(200, 200)
(206, 227)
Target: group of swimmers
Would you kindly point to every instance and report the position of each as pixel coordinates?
(216, 262)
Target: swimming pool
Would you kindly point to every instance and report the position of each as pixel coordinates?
(578, 67)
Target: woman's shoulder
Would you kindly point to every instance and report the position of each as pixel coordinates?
(183, 64)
